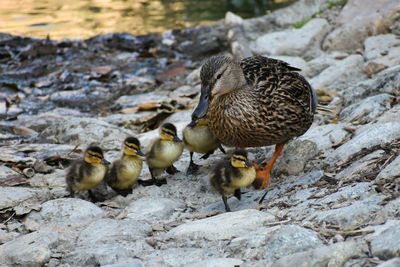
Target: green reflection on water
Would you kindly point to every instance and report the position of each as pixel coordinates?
(86, 18)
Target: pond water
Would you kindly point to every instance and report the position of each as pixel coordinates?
(86, 18)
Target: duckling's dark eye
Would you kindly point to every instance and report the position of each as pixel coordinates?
(219, 76)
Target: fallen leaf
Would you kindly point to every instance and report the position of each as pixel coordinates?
(170, 73)
(130, 110)
(24, 131)
(13, 180)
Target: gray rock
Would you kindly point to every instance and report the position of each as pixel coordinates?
(62, 213)
(317, 65)
(295, 156)
(33, 249)
(333, 255)
(395, 262)
(126, 262)
(386, 81)
(391, 170)
(21, 199)
(382, 49)
(304, 42)
(223, 226)
(326, 136)
(355, 24)
(113, 231)
(387, 245)
(128, 101)
(217, 262)
(377, 134)
(361, 166)
(367, 109)
(150, 208)
(274, 242)
(342, 74)
(82, 97)
(81, 130)
(6, 236)
(349, 193)
(350, 217)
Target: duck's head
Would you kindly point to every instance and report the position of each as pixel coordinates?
(239, 159)
(168, 133)
(95, 155)
(219, 75)
(131, 146)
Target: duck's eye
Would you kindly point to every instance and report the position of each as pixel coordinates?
(219, 76)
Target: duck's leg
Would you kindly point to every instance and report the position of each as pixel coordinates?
(224, 199)
(172, 170)
(238, 194)
(149, 182)
(193, 167)
(262, 177)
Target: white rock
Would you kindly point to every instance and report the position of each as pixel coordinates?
(150, 208)
(390, 171)
(32, 249)
(325, 136)
(341, 74)
(304, 42)
(59, 214)
(379, 45)
(387, 245)
(217, 262)
(223, 226)
(375, 135)
(395, 262)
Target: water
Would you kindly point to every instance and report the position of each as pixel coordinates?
(86, 18)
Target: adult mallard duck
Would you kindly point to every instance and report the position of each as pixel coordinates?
(88, 172)
(257, 101)
(125, 171)
(163, 152)
(197, 137)
(229, 176)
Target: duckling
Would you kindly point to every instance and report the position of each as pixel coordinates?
(88, 172)
(257, 101)
(163, 152)
(229, 176)
(197, 137)
(125, 171)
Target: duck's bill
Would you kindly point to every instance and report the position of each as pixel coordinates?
(248, 163)
(201, 109)
(104, 161)
(177, 139)
(140, 153)
(192, 123)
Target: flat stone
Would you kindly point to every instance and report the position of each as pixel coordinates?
(395, 262)
(317, 65)
(217, 262)
(274, 242)
(113, 231)
(387, 245)
(377, 48)
(150, 208)
(391, 170)
(342, 74)
(377, 134)
(367, 109)
(333, 255)
(21, 199)
(223, 226)
(360, 19)
(126, 262)
(295, 156)
(304, 42)
(32, 249)
(350, 217)
(60, 213)
(326, 136)
(361, 166)
(348, 193)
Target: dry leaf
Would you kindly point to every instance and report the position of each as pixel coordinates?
(13, 180)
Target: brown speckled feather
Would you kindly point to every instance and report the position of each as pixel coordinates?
(277, 104)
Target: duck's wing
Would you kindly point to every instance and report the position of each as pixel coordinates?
(270, 77)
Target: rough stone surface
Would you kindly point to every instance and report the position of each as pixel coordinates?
(387, 246)
(33, 249)
(356, 22)
(303, 42)
(215, 228)
(64, 212)
(391, 170)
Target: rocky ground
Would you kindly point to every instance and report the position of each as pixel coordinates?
(333, 199)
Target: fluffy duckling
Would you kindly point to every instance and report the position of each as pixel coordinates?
(88, 172)
(197, 137)
(163, 152)
(229, 176)
(125, 171)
